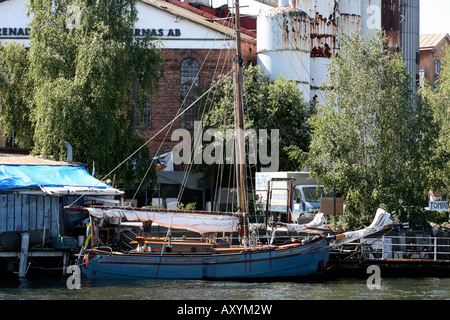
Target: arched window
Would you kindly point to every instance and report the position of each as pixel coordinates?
(189, 91)
(143, 116)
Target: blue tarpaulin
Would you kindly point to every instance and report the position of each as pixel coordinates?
(23, 176)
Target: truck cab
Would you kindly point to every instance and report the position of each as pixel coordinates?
(306, 202)
(289, 196)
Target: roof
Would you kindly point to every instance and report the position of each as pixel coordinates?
(25, 159)
(53, 179)
(187, 11)
(430, 41)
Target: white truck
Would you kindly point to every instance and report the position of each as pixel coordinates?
(293, 196)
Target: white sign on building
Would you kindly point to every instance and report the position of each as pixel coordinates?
(438, 205)
(175, 27)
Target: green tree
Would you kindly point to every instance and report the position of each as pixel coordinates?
(369, 137)
(84, 62)
(439, 100)
(268, 105)
(15, 118)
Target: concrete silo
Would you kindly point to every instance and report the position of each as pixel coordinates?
(324, 28)
(283, 45)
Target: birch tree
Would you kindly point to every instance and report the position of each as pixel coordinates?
(83, 63)
(439, 100)
(368, 137)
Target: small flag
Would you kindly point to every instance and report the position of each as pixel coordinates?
(87, 243)
(164, 162)
(93, 169)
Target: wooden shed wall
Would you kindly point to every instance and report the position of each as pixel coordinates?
(24, 212)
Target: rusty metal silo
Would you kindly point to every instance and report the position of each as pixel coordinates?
(390, 21)
(283, 45)
(349, 17)
(323, 44)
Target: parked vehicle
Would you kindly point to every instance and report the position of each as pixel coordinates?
(293, 196)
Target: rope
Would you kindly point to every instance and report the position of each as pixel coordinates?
(359, 250)
(154, 136)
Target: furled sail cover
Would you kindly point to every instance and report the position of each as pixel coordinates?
(197, 222)
(381, 221)
(317, 225)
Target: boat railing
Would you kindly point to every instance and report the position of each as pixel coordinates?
(423, 247)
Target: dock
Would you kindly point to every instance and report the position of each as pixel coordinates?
(397, 255)
(37, 233)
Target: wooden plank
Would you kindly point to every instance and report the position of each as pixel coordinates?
(3, 212)
(10, 213)
(33, 213)
(17, 212)
(47, 215)
(25, 210)
(54, 215)
(40, 212)
(327, 206)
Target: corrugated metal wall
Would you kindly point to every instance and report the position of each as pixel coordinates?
(410, 38)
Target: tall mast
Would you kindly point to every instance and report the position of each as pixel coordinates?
(241, 172)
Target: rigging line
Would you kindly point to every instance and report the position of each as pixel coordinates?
(192, 84)
(153, 137)
(179, 109)
(221, 168)
(189, 167)
(195, 147)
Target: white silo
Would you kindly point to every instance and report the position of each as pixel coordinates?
(370, 16)
(283, 45)
(349, 20)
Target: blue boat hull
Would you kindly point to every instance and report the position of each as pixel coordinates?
(284, 261)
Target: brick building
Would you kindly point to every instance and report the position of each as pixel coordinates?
(197, 44)
(201, 49)
(431, 52)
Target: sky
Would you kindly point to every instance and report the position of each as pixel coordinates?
(434, 16)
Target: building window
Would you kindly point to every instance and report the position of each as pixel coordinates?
(143, 117)
(437, 67)
(189, 91)
(10, 142)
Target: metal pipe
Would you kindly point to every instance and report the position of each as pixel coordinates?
(69, 151)
(24, 255)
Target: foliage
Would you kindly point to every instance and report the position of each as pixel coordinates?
(438, 99)
(369, 138)
(268, 105)
(15, 118)
(188, 206)
(84, 61)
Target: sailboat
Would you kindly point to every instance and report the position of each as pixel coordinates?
(167, 258)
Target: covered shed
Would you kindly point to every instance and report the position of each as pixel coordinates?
(33, 195)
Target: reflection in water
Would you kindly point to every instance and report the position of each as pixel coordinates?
(336, 289)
